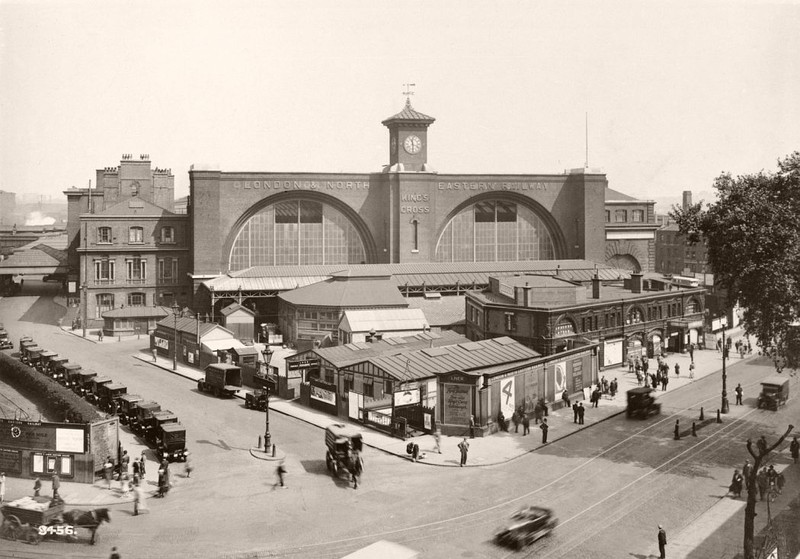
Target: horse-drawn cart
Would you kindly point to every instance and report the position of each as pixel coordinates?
(344, 451)
(29, 518)
(32, 519)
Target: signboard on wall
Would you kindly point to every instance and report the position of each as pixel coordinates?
(327, 396)
(457, 403)
(577, 375)
(507, 395)
(306, 364)
(34, 435)
(10, 461)
(560, 377)
(407, 397)
(612, 352)
(161, 342)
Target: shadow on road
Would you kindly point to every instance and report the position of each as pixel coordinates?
(44, 311)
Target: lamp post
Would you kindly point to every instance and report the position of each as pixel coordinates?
(175, 310)
(725, 407)
(267, 353)
(85, 305)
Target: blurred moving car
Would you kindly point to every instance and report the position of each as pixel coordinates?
(526, 526)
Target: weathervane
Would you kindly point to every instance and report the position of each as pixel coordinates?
(408, 93)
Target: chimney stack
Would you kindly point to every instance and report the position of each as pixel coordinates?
(526, 295)
(687, 199)
(636, 282)
(596, 287)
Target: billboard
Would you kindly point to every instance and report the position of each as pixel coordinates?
(35, 435)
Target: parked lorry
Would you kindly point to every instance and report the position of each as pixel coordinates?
(127, 405)
(55, 368)
(44, 360)
(774, 392)
(32, 355)
(171, 442)
(221, 379)
(153, 423)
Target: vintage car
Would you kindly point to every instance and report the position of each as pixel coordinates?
(24, 343)
(109, 395)
(5, 341)
(92, 394)
(526, 526)
(34, 356)
(774, 392)
(139, 415)
(153, 423)
(127, 404)
(258, 399)
(641, 403)
(44, 361)
(55, 369)
(170, 442)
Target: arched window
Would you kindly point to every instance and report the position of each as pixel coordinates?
(495, 231)
(692, 307)
(105, 302)
(564, 328)
(635, 316)
(297, 232)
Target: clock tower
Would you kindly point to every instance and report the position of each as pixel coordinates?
(408, 139)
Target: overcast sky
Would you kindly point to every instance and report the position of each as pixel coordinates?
(675, 92)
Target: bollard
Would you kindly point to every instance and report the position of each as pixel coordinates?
(694, 430)
(719, 419)
(259, 442)
(677, 431)
(701, 414)
(273, 451)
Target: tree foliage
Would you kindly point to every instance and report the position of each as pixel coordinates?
(753, 236)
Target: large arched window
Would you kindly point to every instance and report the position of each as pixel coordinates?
(495, 231)
(297, 232)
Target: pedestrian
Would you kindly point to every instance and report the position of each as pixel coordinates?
(761, 481)
(605, 385)
(114, 554)
(664, 382)
(794, 449)
(691, 352)
(677, 370)
(135, 468)
(163, 479)
(154, 351)
(613, 387)
(780, 481)
(414, 452)
(736, 484)
(515, 420)
(100, 335)
(37, 486)
(662, 542)
(437, 438)
(139, 501)
(124, 484)
(188, 466)
(463, 446)
(108, 469)
(56, 486)
(471, 426)
(501, 421)
(746, 469)
(677, 430)
(126, 460)
(526, 424)
(691, 370)
(581, 411)
(654, 379)
(280, 472)
(738, 391)
(3, 486)
(565, 398)
(544, 427)
(719, 345)
(575, 412)
(762, 445)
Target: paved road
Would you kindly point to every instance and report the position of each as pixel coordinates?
(610, 485)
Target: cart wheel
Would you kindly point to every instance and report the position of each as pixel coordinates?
(32, 535)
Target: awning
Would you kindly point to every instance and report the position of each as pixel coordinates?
(226, 344)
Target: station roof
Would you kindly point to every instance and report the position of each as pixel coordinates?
(493, 354)
(440, 311)
(138, 312)
(409, 276)
(189, 325)
(383, 320)
(42, 259)
(348, 292)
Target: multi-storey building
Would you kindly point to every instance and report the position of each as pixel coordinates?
(551, 314)
(127, 248)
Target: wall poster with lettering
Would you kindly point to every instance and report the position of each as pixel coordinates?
(577, 375)
(10, 461)
(531, 390)
(560, 377)
(457, 404)
(507, 406)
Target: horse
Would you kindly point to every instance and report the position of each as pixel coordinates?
(89, 519)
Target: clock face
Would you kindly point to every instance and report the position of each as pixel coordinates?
(412, 145)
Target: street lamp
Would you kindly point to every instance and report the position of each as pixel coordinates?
(725, 407)
(267, 353)
(175, 309)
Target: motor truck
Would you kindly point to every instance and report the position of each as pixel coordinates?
(774, 392)
(82, 380)
(171, 442)
(55, 368)
(32, 354)
(109, 395)
(140, 414)
(5, 341)
(153, 422)
(93, 393)
(43, 365)
(221, 379)
(127, 404)
(641, 403)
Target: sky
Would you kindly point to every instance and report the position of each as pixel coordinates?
(676, 92)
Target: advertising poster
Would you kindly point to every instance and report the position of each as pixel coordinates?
(507, 396)
(407, 397)
(457, 404)
(323, 395)
(560, 377)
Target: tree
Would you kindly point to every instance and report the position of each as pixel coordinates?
(752, 491)
(753, 237)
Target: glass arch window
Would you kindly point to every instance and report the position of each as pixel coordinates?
(297, 232)
(495, 231)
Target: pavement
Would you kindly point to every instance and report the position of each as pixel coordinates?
(491, 450)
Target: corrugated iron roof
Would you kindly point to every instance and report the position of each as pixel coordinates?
(138, 312)
(233, 307)
(468, 356)
(348, 292)
(189, 325)
(384, 320)
(343, 355)
(441, 312)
